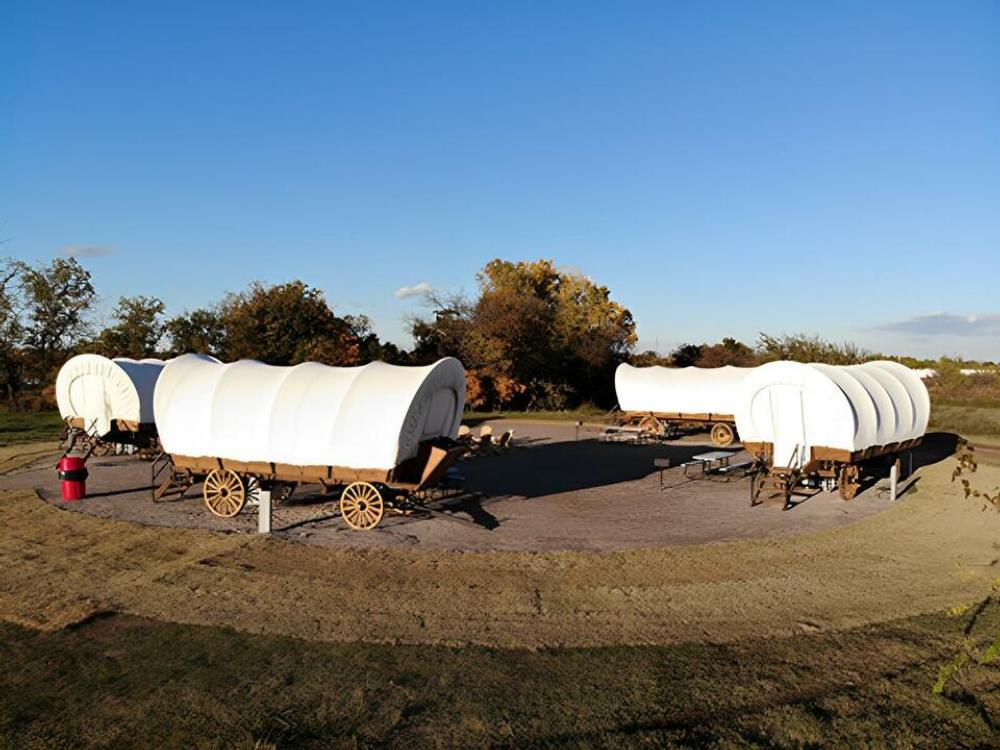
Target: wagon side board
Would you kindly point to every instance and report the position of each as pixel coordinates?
(281, 472)
(143, 435)
(707, 417)
(821, 457)
(424, 469)
(117, 425)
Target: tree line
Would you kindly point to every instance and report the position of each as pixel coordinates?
(533, 336)
(47, 314)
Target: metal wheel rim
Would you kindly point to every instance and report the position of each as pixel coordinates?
(224, 492)
(361, 506)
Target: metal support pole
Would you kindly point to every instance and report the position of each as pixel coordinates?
(264, 512)
(893, 481)
(578, 425)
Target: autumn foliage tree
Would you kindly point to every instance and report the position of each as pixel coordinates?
(804, 348)
(728, 352)
(686, 355)
(199, 331)
(11, 331)
(286, 324)
(536, 337)
(137, 330)
(57, 299)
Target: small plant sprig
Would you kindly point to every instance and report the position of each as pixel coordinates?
(966, 458)
(967, 465)
(969, 652)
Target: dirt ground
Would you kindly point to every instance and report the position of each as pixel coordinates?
(928, 552)
(561, 489)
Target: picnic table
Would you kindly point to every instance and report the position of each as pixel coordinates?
(623, 433)
(713, 461)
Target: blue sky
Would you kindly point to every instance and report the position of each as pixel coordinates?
(725, 168)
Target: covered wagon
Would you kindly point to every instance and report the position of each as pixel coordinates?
(105, 402)
(662, 400)
(377, 433)
(822, 426)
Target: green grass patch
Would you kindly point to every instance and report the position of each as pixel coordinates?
(120, 682)
(29, 427)
(965, 420)
(582, 414)
(981, 403)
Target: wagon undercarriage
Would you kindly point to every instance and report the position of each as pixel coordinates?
(666, 426)
(365, 496)
(825, 471)
(140, 438)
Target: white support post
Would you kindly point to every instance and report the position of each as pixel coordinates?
(893, 481)
(264, 512)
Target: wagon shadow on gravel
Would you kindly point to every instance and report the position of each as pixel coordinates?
(445, 507)
(935, 447)
(554, 468)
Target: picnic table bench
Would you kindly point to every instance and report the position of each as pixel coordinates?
(711, 462)
(714, 462)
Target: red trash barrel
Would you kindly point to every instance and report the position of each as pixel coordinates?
(73, 476)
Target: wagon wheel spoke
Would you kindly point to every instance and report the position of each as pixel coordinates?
(224, 492)
(361, 506)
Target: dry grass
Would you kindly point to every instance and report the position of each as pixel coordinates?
(119, 682)
(13, 457)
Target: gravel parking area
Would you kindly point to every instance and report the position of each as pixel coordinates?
(560, 488)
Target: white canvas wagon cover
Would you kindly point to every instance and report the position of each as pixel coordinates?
(679, 390)
(370, 417)
(797, 407)
(98, 390)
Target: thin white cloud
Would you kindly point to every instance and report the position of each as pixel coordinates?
(947, 324)
(87, 251)
(417, 290)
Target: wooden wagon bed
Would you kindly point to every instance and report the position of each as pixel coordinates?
(139, 434)
(365, 494)
(722, 427)
(823, 465)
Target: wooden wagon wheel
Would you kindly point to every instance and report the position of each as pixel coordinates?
(225, 493)
(150, 449)
(722, 434)
(652, 425)
(251, 488)
(361, 506)
(849, 481)
(100, 448)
